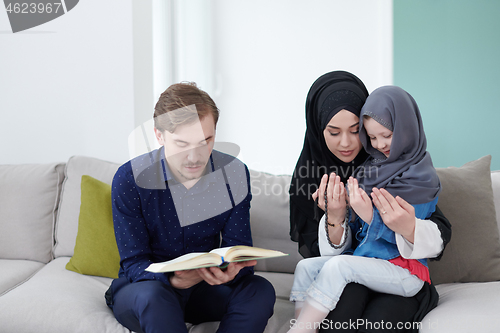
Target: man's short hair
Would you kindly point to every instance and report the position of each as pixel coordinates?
(189, 103)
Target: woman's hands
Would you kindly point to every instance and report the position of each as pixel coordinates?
(336, 197)
(397, 214)
(359, 200)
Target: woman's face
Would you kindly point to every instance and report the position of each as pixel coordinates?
(341, 136)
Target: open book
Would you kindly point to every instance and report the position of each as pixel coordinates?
(217, 257)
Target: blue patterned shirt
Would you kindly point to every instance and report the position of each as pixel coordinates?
(158, 219)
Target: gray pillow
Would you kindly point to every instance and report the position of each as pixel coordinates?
(473, 254)
(28, 204)
(69, 208)
(270, 221)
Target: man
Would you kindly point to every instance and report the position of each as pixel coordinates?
(184, 197)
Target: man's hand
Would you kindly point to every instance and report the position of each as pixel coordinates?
(185, 279)
(215, 276)
(397, 214)
(211, 275)
(359, 200)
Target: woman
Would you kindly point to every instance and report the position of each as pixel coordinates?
(332, 145)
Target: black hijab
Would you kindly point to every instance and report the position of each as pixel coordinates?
(329, 94)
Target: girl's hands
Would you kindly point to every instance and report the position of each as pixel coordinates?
(397, 214)
(359, 200)
(336, 197)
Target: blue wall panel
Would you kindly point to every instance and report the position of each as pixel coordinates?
(447, 55)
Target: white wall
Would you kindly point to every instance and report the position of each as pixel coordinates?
(66, 87)
(80, 84)
(265, 55)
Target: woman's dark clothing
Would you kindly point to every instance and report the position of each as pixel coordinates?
(331, 93)
(363, 310)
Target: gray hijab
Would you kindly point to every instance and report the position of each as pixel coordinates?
(408, 171)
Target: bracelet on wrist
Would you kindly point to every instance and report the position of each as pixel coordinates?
(346, 231)
(333, 225)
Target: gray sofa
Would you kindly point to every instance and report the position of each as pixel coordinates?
(39, 224)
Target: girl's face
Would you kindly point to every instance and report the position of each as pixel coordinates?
(380, 137)
(341, 136)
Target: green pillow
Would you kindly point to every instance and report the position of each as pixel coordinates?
(96, 252)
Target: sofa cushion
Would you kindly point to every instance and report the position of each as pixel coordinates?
(282, 283)
(58, 300)
(465, 307)
(270, 220)
(15, 272)
(284, 310)
(278, 323)
(473, 254)
(69, 207)
(495, 184)
(96, 252)
(29, 196)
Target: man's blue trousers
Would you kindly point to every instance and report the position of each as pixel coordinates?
(242, 306)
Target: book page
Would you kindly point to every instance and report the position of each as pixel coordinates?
(243, 253)
(216, 257)
(187, 261)
(222, 251)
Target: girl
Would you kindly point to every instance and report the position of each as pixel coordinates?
(391, 131)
